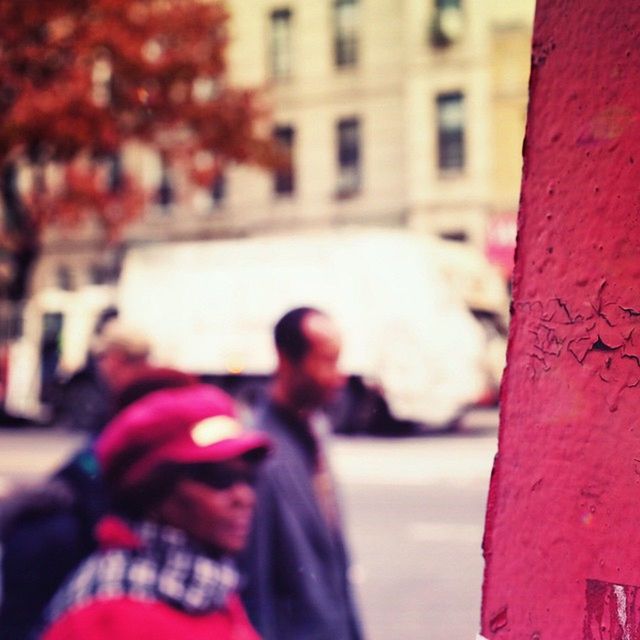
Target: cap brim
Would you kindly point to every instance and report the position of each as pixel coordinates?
(253, 445)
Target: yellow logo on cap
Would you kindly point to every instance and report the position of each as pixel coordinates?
(215, 429)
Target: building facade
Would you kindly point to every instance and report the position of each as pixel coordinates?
(406, 113)
(398, 113)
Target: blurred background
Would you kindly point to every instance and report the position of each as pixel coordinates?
(392, 205)
(403, 126)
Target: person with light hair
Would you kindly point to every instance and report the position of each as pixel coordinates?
(121, 350)
(118, 354)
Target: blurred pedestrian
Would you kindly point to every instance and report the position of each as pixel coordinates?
(117, 354)
(46, 530)
(179, 470)
(296, 562)
(121, 351)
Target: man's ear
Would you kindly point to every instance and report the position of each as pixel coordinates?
(284, 364)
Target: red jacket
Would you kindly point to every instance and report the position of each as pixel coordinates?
(127, 619)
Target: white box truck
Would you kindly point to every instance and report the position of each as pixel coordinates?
(412, 347)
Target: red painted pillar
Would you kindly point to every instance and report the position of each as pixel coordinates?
(562, 539)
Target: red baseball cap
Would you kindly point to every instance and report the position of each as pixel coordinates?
(184, 425)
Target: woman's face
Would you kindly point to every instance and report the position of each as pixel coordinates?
(214, 505)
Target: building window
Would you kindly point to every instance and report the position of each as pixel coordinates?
(11, 322)
(165, 195)
(218, 189)
(346, 33)
(450, 108)
(281, 43)
(64, 278)
(98, 274)
(50, 349)
(447, 24)
(101, 80)
(284, 176)
(348, 131)
(116, 173)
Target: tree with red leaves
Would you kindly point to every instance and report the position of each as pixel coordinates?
(81, 79)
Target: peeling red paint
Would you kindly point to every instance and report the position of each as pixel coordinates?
(612, 612)
(499, 620)
(606, 332)
(564, 499)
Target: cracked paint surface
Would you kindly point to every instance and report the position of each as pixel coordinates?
(605, 335)
(564, 497)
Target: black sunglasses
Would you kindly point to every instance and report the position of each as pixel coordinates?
(221, 476)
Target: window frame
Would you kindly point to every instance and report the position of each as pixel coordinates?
(348, 156)
(346, 41)
(218, 190)
(280, 49)
(284, 179)
(451, 140)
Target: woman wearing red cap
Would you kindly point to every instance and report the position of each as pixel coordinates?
(180, 473)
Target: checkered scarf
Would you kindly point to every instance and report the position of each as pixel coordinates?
(163, 565)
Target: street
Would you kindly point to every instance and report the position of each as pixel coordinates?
(414, 510)
(415, 515)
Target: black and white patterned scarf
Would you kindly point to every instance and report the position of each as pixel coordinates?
(156, 563)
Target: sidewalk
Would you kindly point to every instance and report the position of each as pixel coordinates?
(27, 453)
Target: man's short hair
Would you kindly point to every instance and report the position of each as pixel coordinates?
(289, 335)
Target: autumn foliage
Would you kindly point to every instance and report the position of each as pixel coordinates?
(80, 79)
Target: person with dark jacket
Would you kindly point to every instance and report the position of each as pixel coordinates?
(47, 529)
(296, 562)
(118, 354)
(179, 470)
